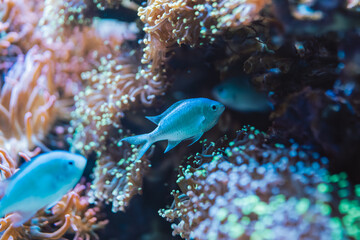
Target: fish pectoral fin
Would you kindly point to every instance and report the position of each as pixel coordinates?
(19, 218)
(171, 145)
(195, 139)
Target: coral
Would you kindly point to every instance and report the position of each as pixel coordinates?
(295, 65)
(23, 126)
(60, 17)
(118, 176)
(72, 213)
(105, 4)
(118, 84)
(251, 187)
(115, 86)
(353, 4)
(68, 75)
(85, 221)
(112, 88)
(171, 23)
(82, 49)
(315, 17)
(18, 20)
(324, 119)
(233, 14)
(348, 86)
(17, 23)
(63, 28)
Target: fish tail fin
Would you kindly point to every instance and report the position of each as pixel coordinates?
(143, 149)
(142, 139)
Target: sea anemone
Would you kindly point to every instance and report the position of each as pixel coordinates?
(23, 126)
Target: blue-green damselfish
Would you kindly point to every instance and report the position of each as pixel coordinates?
(239, 95)
(40, 183)
(185, 119)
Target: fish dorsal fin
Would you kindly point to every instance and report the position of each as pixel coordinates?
(171, 145)
(195, 139)
(157, 119)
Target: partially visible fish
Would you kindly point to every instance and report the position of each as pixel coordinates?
(185, 119)
(240, 96)
(40, 183)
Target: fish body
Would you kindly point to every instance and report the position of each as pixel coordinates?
(39, 183)
(185, 119)
(239, 96)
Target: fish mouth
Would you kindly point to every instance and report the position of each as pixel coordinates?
(221, 108)
(80, 162)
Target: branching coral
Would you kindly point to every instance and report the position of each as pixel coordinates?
(251, 188)
(23, 126)
(71, 214)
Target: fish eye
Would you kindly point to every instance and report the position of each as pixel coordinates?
(213, 107)
(221, 89)
(71, 163)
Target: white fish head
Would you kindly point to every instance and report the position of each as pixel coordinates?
(69, 164)
(212, 110)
